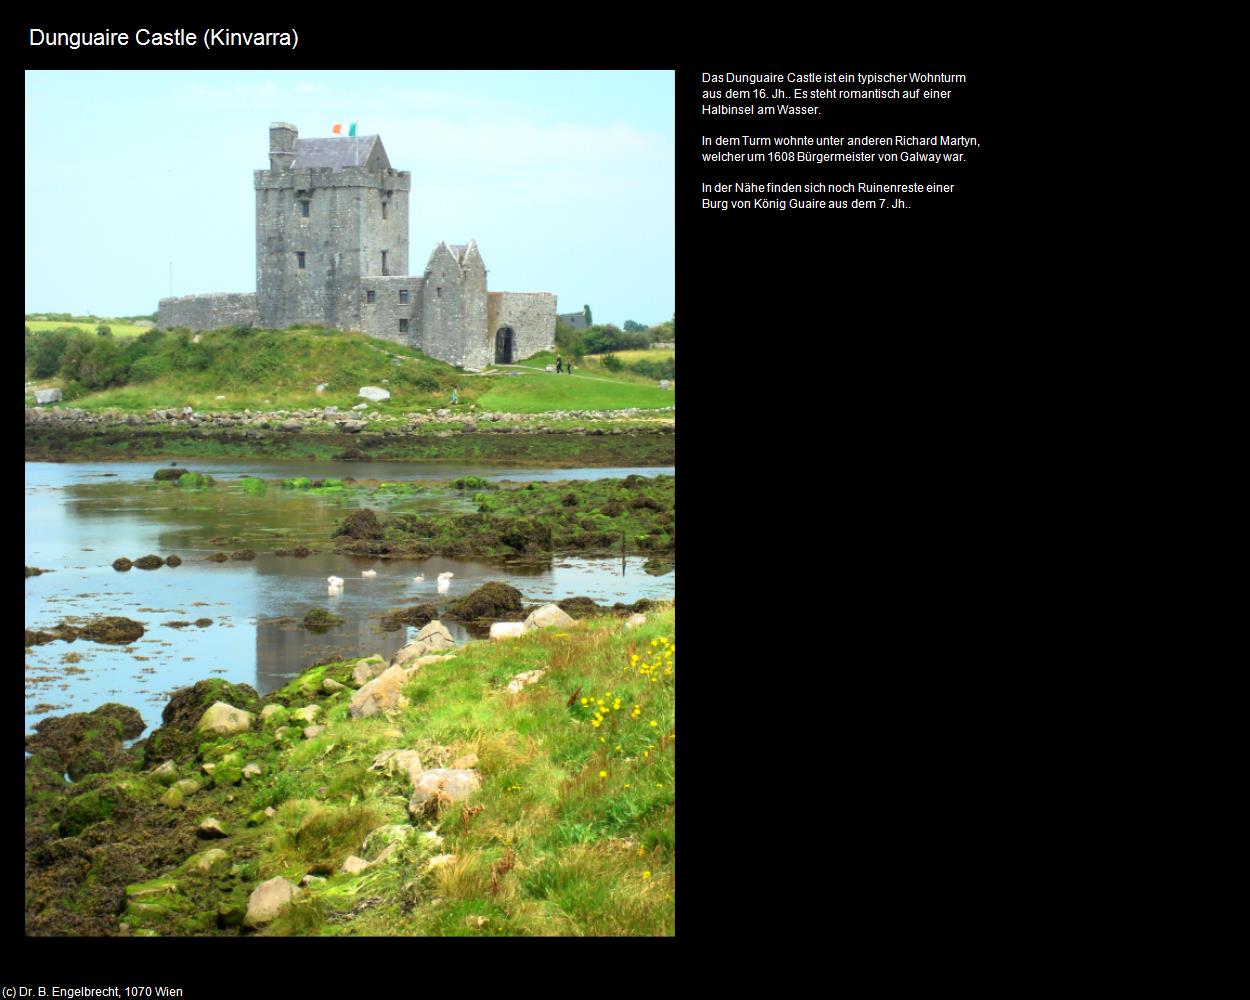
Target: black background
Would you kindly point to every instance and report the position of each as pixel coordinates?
(840, 427)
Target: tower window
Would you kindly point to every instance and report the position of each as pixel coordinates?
(384, 270)
(440, 293)
(384, 211)
(370, 295)
(403, 296)
(299, 259)
(403, 326)
(303, 209)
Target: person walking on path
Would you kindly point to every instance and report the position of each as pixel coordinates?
(559, 364)
(455, 398)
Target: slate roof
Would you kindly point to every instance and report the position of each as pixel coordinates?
(337, 152)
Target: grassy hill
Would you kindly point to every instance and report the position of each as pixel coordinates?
(272, 369)
(118, 328)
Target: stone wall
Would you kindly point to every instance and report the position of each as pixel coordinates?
(208, 312)
(342, 240)
(532, 316)
(381, 317)
(442, 308)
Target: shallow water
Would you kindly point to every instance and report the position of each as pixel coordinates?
(82, 516)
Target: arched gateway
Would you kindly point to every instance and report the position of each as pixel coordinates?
(503, 346)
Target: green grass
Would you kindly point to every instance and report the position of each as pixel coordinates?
(536, 390)
(120, 330)
(571, 832)
(280, 369)
(629, 357)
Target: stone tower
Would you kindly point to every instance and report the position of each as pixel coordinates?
(329, 212)
(332, 249)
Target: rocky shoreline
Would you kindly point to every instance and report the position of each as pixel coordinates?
(299, 811)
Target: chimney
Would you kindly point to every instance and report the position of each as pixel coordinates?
(282, 138)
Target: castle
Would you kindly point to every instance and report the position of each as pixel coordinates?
(332, 249)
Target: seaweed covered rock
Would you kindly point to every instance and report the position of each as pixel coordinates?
(360, 524)
(122, 564)
(579, 607)
(178, 738)
(319, 620)
(491, 600)
(169, 473)
(173, 561)
(86, 742)
(149, 562)
(418, 616)
(33, 571)
(114, 631)
(243, 555)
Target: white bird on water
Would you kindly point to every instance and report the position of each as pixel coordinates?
(444, 582)
(369, 572)
(335, 585)
(419, 579)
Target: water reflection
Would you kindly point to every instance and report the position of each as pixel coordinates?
(78, 520)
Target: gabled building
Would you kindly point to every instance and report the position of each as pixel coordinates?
(332, 249)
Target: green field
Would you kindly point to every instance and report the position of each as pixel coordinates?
(629, 357)
(280, 369)
(537, 390)
(118, 329)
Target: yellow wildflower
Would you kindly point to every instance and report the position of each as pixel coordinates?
(603, 774)
(646, 874)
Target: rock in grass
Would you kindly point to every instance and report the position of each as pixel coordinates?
(311, 732)
(382, 694)
(274, 715)
(188, 786)
(166, 773)
(441, 784)
(211, 829)
(508, 630)
(523, 680)
(548, 615)
(329, 685)
(268, 900)
(406, 762)
(173, 798)
(308, 713)
(354, 865)
(225, 720)
(209, 862)
(430, 639)
(251, 770)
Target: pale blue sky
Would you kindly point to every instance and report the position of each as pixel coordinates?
(565, 179)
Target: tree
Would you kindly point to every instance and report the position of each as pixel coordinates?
(586, 313)
(632, 327)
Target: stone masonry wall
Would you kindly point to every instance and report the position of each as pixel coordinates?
(208, 312)
(381, 317)
(532, 316)
(442, 309)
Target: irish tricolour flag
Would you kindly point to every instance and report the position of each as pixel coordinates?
(338, 129)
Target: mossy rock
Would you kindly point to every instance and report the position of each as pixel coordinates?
(178, 738)
(253, 485)
(225, 775)
(298, 483)
(319, 620)
(195, 480)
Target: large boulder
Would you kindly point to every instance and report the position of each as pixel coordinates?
(43, 396)
(548, 615)
(441, 784)
(268, 900)
(382, 694)
(430, 639)
(373, 393)
(225, 720)
(508, 630)
(523, 680)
